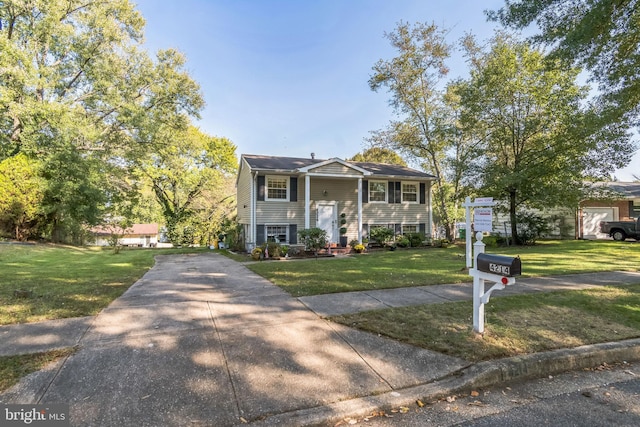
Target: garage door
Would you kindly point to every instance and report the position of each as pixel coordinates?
(591, 218)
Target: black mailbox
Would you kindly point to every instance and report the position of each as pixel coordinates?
(499, 264)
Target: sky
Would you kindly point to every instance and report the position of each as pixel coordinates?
(290, 77)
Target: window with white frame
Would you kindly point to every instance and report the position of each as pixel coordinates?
(410, 229)
(410, 192)
(277, 188)
(377, 191)
(277, 233)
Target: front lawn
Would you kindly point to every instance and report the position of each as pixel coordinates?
(67, 281)
(430, 266)
(515, 325)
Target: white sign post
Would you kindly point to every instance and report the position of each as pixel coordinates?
(482, 222)
(485, 221)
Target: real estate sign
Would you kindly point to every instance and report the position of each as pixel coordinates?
(483, 219)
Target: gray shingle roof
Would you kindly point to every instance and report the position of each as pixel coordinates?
(630, 189)
(293, 164)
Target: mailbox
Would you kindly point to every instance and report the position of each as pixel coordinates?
(499, 264)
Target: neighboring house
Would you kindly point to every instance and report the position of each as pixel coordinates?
(141, 235)
(278, 196)
(623, 204)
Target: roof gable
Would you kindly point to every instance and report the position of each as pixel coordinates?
(334, 161)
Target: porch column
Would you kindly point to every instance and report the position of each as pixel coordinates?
(360, 210)
(430, 207)
(307, 201)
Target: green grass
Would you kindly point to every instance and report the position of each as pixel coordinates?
(429, 266)
(12, 368)
(67, 281)
(515, 325)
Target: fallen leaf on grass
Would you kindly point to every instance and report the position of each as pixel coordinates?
(420, 403)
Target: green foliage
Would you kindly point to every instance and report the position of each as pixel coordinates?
(81, 96)
(273, 249)
(381, 235)
(403, 241)
(531, 227)
(531, 129)
(20, 197)
(313, 238)
(186, 175)
(416, 239)
(426, 129)
(379, 155)
(601, 35)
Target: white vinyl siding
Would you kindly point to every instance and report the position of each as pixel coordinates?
(244, 195)
(377, 191)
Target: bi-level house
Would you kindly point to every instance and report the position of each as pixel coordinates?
(278, 196)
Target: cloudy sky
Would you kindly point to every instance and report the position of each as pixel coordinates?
(290, 77)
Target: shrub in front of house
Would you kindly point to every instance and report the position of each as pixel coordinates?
(416, 239)
(314, 239)
(403, 241)
(382, 235)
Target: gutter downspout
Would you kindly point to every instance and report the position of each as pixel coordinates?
(253, 204)
(360, 210)
(429, 201)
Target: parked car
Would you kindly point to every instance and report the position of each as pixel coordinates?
(621, 230)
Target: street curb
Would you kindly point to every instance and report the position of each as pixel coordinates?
(483, 374)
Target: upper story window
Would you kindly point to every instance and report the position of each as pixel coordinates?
(377, 191)
(277, 188)
(409, 192)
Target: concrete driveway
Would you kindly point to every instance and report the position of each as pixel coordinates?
(202, 340)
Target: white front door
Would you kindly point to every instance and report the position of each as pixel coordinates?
(327, 220)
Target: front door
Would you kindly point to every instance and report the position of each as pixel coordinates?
(327, 220)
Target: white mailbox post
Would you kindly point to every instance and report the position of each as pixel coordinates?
(493, 268)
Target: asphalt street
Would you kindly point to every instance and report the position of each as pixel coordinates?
(606, 396)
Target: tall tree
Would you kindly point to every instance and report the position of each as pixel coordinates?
(183, 166)
(601, 35)
(75, 85)
(537, 139)
(415, 79)
(379, 155)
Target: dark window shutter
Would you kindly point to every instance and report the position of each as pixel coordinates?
(391, 192)
(293, 191)
(261, 189)
(422, 227)
(293, 234)
(365, 191)
(260, 234)
(398, 192)
(423, 193)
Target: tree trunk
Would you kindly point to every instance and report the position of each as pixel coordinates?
(512, 217)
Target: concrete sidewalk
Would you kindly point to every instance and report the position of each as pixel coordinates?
(202, 340)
